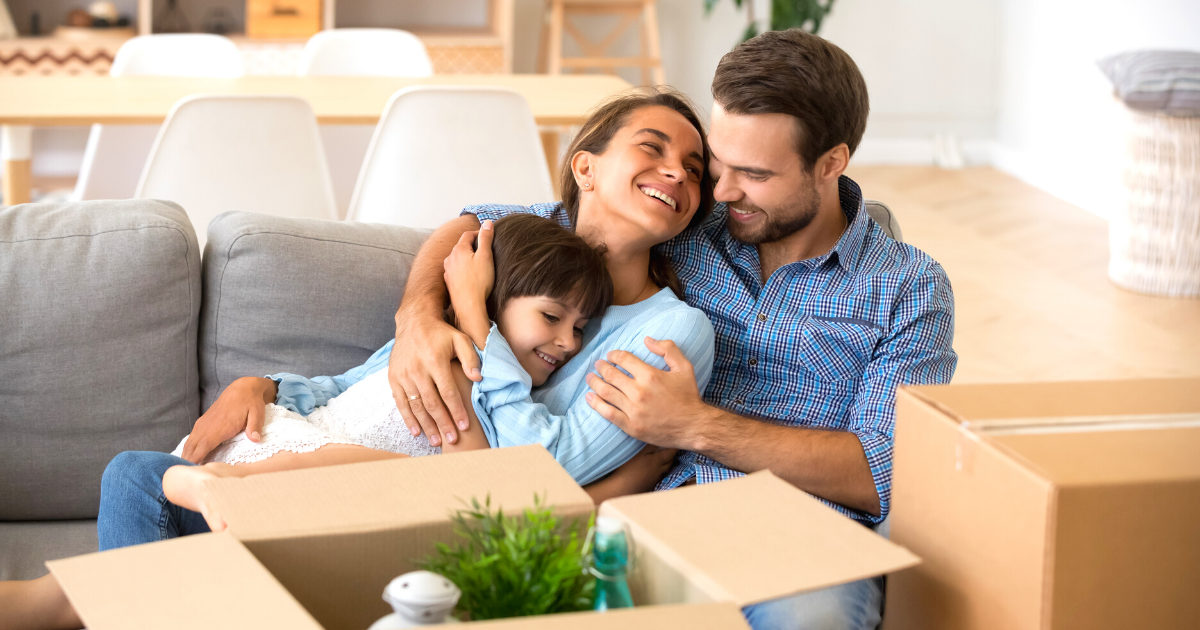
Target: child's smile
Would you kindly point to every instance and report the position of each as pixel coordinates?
(543, 333)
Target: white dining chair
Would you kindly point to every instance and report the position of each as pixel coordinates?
(248, 153)
(438, 149)
(365, 52)
(116, 154)
(370, 52)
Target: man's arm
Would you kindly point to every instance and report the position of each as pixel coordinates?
(851, 468)
(425, 344)
(664, 408)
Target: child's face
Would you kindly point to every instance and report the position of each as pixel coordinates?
(543, 333)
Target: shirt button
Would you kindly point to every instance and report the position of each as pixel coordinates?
(753, 362)
(762, 317)
(737, 401)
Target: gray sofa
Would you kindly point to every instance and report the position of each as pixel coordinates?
(115, 335)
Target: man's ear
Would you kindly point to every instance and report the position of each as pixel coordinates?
(831, 165)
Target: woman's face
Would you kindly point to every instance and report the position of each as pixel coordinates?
(543, 333)
(646, 184)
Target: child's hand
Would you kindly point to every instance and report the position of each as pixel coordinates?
(470, 272)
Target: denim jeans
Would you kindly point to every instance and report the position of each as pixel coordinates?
(133, 509)
(854, 606)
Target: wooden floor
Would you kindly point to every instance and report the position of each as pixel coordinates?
(1032, 294)
(1033, 300)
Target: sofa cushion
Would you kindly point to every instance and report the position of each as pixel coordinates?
(25, 547)
(306, 296)
(98, 326)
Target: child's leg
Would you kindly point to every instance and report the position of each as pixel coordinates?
(473, 438)
(36, 604)
(184, 485)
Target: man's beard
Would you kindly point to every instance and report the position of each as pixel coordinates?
(780, 223)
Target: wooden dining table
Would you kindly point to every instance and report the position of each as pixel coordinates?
(27, 102)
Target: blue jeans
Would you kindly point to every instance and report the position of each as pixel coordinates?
(133, 509)
(854, 606)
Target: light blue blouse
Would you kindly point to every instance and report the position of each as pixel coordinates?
(555, 415)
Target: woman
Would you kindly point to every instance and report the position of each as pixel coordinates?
(637, 177)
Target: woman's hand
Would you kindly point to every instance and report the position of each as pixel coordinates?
(470, 274)
(637, 475)
(242, 406)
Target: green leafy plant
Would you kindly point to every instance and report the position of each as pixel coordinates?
(514, 566)
(785, 14)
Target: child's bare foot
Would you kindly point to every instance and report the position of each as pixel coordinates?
(184, 486)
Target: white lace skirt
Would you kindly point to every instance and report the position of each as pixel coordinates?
(365, 414)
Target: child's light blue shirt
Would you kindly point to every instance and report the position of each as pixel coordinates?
(557, 414)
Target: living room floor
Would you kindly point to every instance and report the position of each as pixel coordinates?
(1026, 311)
(1033, 299)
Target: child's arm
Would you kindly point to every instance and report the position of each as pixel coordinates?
(302, 394)
(470, 274)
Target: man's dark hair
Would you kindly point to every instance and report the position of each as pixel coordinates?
(802, 75)
(536, 256)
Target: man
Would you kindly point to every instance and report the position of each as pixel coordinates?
(819, 315)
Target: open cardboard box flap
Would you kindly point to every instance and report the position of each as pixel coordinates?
(197, 582)
(392, 494)
(328, 540)
(751, 539)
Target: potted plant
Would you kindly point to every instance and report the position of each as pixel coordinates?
(785, 14)
(514, 566)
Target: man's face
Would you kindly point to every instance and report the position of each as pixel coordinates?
(760, 175)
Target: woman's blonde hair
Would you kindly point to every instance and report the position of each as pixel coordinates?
(595, 136)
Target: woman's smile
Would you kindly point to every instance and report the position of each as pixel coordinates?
(661, 193)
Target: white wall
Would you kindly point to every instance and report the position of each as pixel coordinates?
(1014, 81)
(1058, 126)
(931, 66)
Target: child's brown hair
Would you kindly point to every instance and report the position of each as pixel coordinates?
(536, 256)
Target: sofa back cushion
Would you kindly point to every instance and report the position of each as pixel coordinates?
(306, 296)
(99, 311)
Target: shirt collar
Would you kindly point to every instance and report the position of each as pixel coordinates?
(849, 247)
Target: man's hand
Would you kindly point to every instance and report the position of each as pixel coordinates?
(639, 474)
(242, 406)
(419, 372)
(654, 406)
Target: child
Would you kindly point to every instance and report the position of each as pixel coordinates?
(548, 282)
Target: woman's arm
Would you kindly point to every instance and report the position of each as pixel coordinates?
(640, 474)
(583, 441)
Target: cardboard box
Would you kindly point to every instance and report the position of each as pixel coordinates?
(1048, 506)
(314, 548)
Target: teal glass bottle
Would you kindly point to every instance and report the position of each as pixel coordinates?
(610, 564)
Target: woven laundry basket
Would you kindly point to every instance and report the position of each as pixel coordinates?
(1155, 240)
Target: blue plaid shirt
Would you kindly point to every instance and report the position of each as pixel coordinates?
(823, 344)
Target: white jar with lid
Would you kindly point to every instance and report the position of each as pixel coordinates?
(419, 598)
